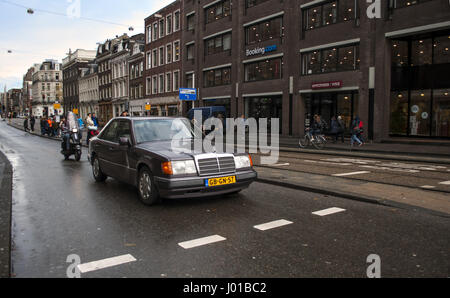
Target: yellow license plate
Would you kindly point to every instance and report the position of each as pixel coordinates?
(220, 181)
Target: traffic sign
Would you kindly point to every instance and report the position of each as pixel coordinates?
(188, 94)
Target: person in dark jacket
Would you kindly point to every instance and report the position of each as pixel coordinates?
(32, 123)
(357, 130)
(341, 129)
(334, 129)
(25, 124)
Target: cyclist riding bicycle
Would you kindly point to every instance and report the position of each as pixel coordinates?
(317, 127)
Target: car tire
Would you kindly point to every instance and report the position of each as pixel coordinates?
(148, 193)
(99, 176)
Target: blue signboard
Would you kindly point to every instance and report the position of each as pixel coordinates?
(188, 94)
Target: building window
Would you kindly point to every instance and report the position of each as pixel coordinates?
(190, 80)
(149, 60)
(149, 86)
(155, 58)
(155, 85)
(176, 21)
(328, 13)
(217, 11)
(161, 83)
(176, 80)
(169, 24)
(161, 56)
(190, 50)
(251, 3)
(441, 50)
(190, 21)
(331, 60)
(155, 31)
(149, 34)
(267, 30)
(217, 77)
(405, 3)
(169, 53)
(176, 52)
(168, 82)
(218, 44)
(161, 28)
(263, 70)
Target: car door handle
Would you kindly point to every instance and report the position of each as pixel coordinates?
(111, 149)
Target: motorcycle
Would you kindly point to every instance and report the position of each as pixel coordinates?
(75, 145)
(92, 132)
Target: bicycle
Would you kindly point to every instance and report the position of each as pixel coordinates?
(319, 141)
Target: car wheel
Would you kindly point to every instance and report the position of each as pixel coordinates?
(148, 194)
(97, 171)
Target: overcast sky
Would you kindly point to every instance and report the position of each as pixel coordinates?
(34, 38)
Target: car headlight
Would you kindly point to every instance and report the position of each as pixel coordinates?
(243, 161)
(184, 167)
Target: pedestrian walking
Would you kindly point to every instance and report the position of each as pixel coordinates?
(95, 120)
(357, 129)
(25, 124)
(341, 129)
(32, 123)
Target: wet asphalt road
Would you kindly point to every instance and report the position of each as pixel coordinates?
(59, 210)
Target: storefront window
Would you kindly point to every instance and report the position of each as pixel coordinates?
(263, 70)
(441, 113)
(399, 113)
(442, 50)
(419, 120)
(264, 107)
(421, 52)
(344, 108)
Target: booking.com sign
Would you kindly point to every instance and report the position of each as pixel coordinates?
(261, 51)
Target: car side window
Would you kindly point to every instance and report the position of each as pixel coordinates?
(111, 132)
(123, 130)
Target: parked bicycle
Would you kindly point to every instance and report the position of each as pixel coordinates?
(318, 141)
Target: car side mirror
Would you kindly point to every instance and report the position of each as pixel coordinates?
(124, 141)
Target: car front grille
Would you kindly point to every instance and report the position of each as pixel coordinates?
(216, 166)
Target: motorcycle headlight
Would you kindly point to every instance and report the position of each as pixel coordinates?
(243, 161)
(75, 130)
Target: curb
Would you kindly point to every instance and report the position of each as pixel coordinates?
(350, 196)
(6, 184)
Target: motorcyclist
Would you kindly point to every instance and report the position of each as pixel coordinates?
(68, 125)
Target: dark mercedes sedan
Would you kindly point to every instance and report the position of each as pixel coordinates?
(154, 155)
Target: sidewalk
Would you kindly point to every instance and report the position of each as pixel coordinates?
(371, 192)
(433, 151)
(5, 216)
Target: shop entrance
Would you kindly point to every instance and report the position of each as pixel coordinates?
(329, 104)
(265, 107)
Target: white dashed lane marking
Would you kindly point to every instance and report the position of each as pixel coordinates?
(273, 225)
(428, 187)
(106, 263)
(351, 174)
(201, 241)
(329, 211)
(445, 183)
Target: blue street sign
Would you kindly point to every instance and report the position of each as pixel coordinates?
(188, 94)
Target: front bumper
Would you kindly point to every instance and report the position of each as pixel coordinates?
(177, 188)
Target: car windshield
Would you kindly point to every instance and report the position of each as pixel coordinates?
(153, 130)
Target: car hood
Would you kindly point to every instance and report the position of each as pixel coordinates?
(167, 150)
